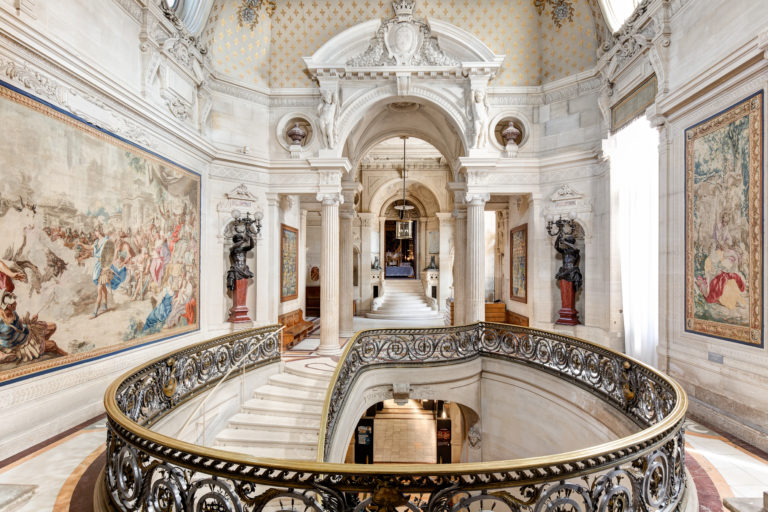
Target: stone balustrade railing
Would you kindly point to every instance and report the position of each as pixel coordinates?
(149, 471)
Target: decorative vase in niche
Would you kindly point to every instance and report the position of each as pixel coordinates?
(297, 135)
(510, 134)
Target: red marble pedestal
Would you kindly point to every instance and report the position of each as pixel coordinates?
(568, 314)
(239, 312)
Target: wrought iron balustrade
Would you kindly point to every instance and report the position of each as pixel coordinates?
(645, 471)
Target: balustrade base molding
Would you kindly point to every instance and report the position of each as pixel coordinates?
(642, 472)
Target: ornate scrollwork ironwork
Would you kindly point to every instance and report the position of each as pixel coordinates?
(150, 472)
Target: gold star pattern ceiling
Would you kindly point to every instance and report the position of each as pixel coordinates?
(270, 54)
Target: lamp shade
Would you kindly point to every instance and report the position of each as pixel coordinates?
(404, 229)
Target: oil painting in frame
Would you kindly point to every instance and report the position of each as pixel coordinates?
(518, 260)
(289, 259)
(99, 241)
(724, 224)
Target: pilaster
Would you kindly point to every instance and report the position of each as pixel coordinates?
(446, 279)
(302, 264)
(273, 221)
(366, 260)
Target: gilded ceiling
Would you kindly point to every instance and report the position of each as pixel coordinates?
(271, 54)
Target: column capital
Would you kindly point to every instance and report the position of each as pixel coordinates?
(459, 213)
(476, 199)
(444, 216)
(347, 213)
(366, 219)
(273, 198)
(330, 198)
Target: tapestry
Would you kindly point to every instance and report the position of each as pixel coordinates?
(724, 225)
(518, 251)
(99, 241)
(289, 259)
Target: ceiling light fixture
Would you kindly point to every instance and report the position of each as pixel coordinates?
(404, 228)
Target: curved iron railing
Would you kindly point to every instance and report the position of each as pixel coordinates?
(645, 471)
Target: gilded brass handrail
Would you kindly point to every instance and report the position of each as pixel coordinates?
(145, 465)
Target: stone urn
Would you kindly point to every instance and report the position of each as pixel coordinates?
(297, 135)
(510, 134)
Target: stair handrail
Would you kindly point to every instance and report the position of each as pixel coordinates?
(149, 470)
(213, 391)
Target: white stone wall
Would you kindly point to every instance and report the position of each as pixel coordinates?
(727, 383)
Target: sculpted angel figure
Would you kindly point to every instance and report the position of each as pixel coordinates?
(480, 117)
(326, 110)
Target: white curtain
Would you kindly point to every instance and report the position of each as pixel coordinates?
(616, 12)
(634, 159)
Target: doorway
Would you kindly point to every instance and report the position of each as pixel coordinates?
(401, 254)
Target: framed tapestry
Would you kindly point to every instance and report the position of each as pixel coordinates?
(289, 263)
(99, 241)
(724, 224)
(518, 260)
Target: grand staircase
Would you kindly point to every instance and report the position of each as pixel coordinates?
(282, 420)
(404, 300)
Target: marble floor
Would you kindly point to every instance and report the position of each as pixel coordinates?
(58, 475)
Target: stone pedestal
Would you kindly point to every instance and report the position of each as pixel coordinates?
(238, 314)
(567, 314)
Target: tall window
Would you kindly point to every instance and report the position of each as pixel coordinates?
(617, 11)
(634, 158)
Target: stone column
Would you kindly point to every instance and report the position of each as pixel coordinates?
(382, 247)
(273, 214)
(302, 263)
(475, 264)
(446, 278)
(346, 265)
(366, 292)
(459, 257)
(329, 275)
(423, 258)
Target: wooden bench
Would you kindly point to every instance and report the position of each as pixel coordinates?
(296, 328)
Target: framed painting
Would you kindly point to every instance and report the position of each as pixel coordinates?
(724, 224)
(518, 261)
(99, 241)
(289, 263)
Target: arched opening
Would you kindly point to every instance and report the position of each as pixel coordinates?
(385, 184)
(414, 431)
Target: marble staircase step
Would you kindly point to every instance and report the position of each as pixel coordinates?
(273, 452)
(286, 394)
(274, 407)
(247, 437)
(297, 382)
(271, 422)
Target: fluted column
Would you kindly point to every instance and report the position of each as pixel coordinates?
(382, 245)
(459, 257)
(422, 258)
(302, 264)
(475, 264)
(346, 282)
(366, 260)
(273, 218)
(446, 230)
(329, 275)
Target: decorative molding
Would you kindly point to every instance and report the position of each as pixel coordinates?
(132, 7)
(565, 193)
(403, 41)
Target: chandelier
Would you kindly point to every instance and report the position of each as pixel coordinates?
(248, 12)
(403, 228)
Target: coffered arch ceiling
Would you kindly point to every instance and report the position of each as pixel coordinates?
(410, 118)
(536, 49)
